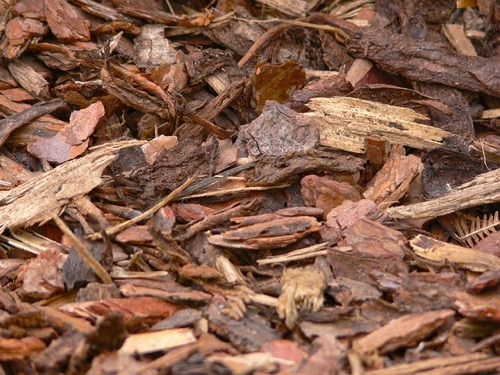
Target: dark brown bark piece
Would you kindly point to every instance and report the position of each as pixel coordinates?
(136, 98)
(187, 159)
(400, 96)
(15, 121)
(77, 272)
(272, 170)
(246, 335)
(426, 61)
(421, 292)
(358, 266)
(182, 318)
(458, 122)
(446, 169)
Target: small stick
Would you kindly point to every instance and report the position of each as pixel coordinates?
(82, 250)
(261, 40)
(119, 227)
(15, 121)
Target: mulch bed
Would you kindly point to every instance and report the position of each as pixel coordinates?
(249, 187)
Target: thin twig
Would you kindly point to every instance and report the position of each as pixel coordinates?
(285, 24)
(118, 228)
(82, 250)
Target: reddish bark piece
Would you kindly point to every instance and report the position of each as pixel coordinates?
(156, 146)
(392, 182)
(65, 21)
(42, 276)
(490, 244)
(325, 355)
(276, 233)
(135, 234)
(30, 9)
(11, 123)
(324, 87)
(406, 331)
(484, 307)
(6, 79)
(56, 56)
(326, 193)
(371, 237)
(83, 122)
(17, 94)
(18, 32)
(486, 280)
(186, 212)
(346, 215)
(72, 141)
(285, 349)
(203, 272)
(150, 309)
(18, 349)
